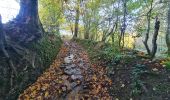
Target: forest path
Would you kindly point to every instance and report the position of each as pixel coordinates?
(70, 77)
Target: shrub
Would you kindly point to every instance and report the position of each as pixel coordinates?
(167, 64)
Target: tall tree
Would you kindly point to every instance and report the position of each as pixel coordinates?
(145, 42)
(123, 27)
(154, 39)
(76, 28)
(168, 30)
(51, 15)
(28, 15)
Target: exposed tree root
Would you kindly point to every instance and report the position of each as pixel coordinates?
(2, 47)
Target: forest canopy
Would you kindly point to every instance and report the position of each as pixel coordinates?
(108, 20)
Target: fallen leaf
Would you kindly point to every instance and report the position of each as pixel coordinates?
(46, 94)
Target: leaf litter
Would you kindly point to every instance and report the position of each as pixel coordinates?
(70, 77)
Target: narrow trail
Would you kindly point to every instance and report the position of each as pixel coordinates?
(70, 77)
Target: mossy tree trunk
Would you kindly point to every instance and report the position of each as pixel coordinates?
(28, 15)
(21, 63)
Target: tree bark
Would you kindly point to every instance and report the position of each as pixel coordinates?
(77, 20)
(2, 47)
(123, 27)
(145, 42)
(2, 36)
(154, 39)
(87, 30)
(87, 24)
(168, 30)
(29, 18)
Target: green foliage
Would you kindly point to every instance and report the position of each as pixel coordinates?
(107, 53)
(47, 49)
(167, 64)
(87, 44)
(163, 87)
(137, 71)
(110, 52)
(51, 15)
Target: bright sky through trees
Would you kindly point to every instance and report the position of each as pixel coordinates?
(8, 9)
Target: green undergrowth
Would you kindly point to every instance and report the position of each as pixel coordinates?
(48, 48)
(137, 71)
(133, 77)
(105, 51)
(167, 64)
(88, 45)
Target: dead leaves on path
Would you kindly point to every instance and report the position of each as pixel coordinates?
(96, 84)
(48, 83)
(53, 83)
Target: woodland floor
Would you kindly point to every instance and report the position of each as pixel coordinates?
(70, 77)
(75, 76)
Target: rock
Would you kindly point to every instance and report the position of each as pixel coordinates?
(164, 66)
(64, 77)
(74, 77)
(116, 99)
(64, 88)
(67, 83)
(69, 59)
(85, 67)
(154, 88)
(63, 66)
(112, 73)
(71, 71)
(73, 85)
(150, 61)
(155, 69)
(123, 85)
(70, 66)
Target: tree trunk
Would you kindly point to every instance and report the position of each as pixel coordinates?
(2, 36)
(145, 42)
(86, 27)
(29, 19)
(21, 33)
(123, 27)
(2, 47)
(154, 39)
(86, 36)
(77, 20)
(168, 31)
(104, 36)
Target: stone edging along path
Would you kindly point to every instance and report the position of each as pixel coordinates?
(70, 77)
